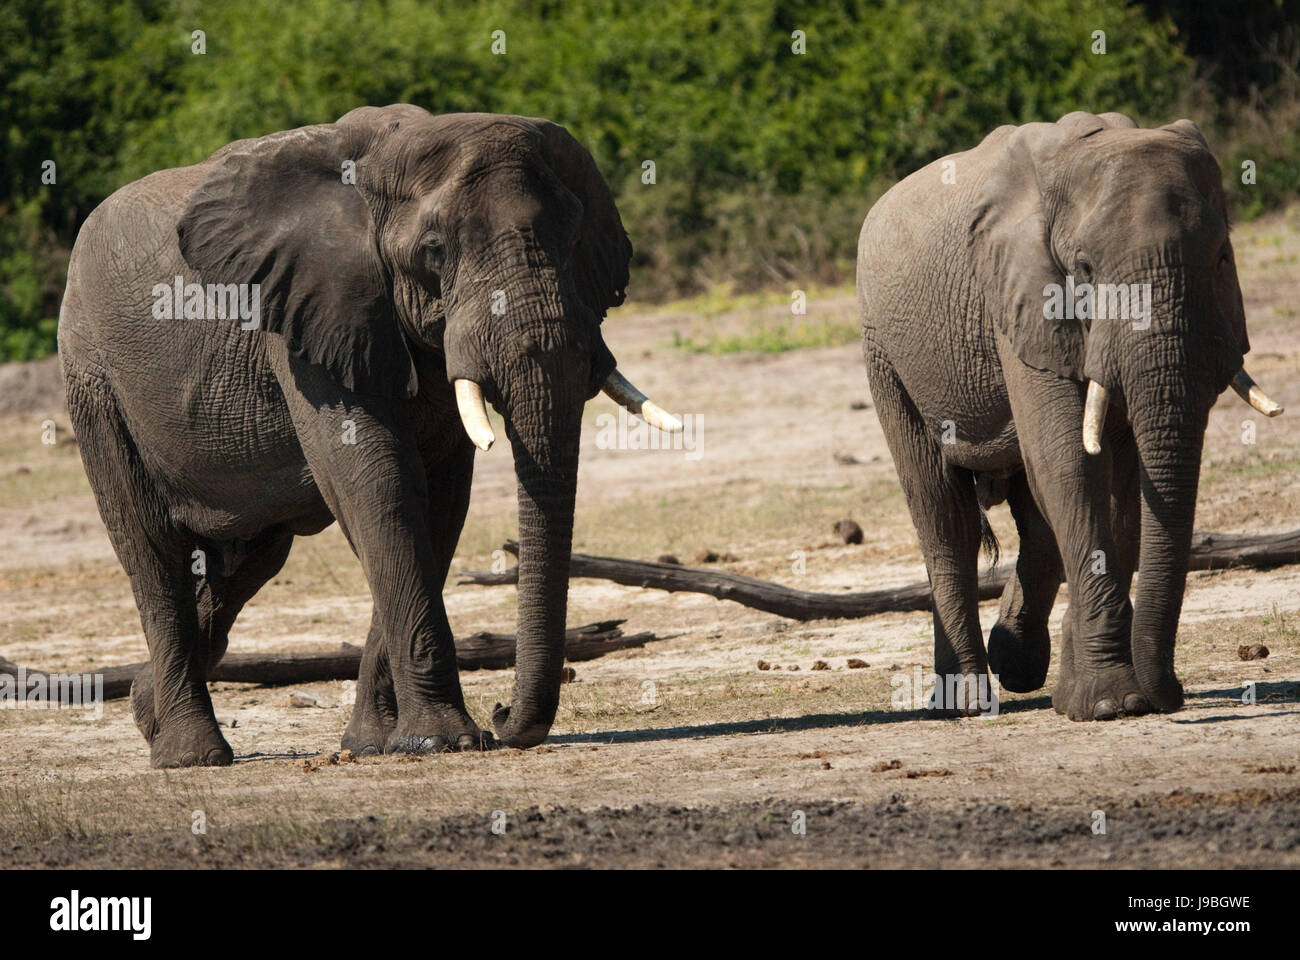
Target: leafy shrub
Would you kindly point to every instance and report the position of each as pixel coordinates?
(765, 160)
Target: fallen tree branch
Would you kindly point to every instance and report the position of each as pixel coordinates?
(1210, 551)
(476, 651)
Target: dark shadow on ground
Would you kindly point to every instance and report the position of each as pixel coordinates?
(816, 721)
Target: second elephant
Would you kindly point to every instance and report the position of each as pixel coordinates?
(1047, 319)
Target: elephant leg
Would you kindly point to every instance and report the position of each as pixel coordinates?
(1072, 491)
(156, 556)
(941, 499)
(378, 491)
(218, 600)
(374, 715)
(1020, 647)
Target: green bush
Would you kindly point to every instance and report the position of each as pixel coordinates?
(765, 160)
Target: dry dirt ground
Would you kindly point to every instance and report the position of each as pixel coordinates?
(684, 753)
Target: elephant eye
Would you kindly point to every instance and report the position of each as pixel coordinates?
(1083, 270)
(435, 250)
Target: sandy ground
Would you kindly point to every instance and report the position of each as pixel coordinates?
(683, 753)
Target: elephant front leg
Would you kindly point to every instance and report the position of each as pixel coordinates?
(402, 520)
(374, 715)
(431, 715)
(1072, 489)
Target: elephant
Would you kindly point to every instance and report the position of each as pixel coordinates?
(1006, 367)
(348, 297)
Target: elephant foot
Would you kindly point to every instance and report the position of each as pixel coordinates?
(1019, 656)
(962, 695)
(142, 704)
(365, 736)
(1102, 694)
(451, 731)
(192, 744)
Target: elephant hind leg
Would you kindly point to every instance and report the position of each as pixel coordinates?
(155, 553)
(218, 601)
(942, 501)
(1020, 647)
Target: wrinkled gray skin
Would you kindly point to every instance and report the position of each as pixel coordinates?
(950, 287)
(197, 434)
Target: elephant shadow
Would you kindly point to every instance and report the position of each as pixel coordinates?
(817, 721)
(1276, 692)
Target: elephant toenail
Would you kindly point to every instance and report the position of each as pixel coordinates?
(1136, 704)
(1105, 710)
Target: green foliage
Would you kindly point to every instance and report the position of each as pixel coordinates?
(765, 160)
(773, 338)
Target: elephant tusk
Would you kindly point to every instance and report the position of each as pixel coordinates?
(620, 389)
(1094, 416)
(473, 414)
(1249, 391)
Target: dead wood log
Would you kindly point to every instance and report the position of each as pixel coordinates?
(476, 651)
(1210, 551)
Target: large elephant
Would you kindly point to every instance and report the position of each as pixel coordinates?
(1004, 364)
(397, 269)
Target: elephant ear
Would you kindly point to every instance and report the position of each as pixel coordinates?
(1011, 252)
(1186, 128)
(603, 251)
(277, 212)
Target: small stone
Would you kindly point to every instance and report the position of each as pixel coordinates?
(297, 699)
(669, 558)
(848, 531)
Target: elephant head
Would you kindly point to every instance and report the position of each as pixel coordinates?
(1132, 213)
(491, 241)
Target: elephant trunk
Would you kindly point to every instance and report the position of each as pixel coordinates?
(542, 394)
(545, 540)
(1168, 422)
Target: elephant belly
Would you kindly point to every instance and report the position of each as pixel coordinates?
(212, 430)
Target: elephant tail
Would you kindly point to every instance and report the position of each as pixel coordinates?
(989, 540)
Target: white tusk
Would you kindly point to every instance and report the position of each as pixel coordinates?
(1094, 416)
(620, 389)
(473, 414)
(1249, 391)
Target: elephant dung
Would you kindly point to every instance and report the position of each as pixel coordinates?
(848, 531)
